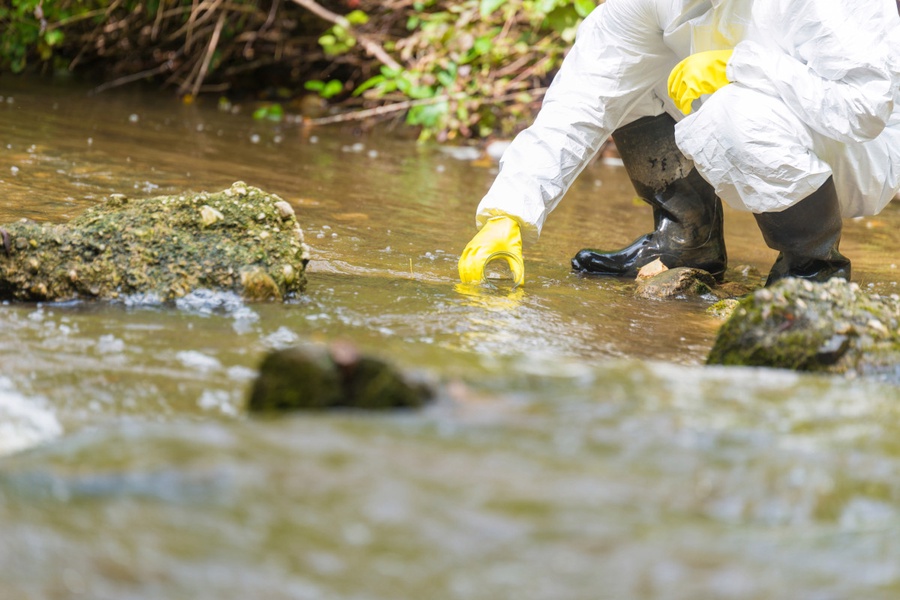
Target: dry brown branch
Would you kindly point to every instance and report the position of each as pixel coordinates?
(359, 115)
(157, 22)
(378, 111)
(130, 78)
(271, 18)
(213, 41)
(208, 9)
(512, 67)
(371, 46)
(84, 16)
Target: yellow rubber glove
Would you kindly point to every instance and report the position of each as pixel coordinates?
(499, 239)
(698, 74)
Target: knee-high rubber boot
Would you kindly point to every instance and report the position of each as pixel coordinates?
(807, 236)
(687, 214)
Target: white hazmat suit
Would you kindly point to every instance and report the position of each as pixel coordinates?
(815, 93)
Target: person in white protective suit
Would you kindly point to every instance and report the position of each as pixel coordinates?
(787, 108)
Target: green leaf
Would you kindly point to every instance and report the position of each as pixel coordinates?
(357, 17)
(332, 88)
(419, 92)
(428, 115)
(276, 113)
(545, 6)
(271, 112)
(54, 37)
(483, 45)
(584, 7)
(446, 79)
(489, 6)
(314, 85)
(369, 84)
(564, 22)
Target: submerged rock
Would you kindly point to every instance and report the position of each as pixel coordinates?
(657, 282)
(240, 239)
(828, 327)
(677, 282)
(318, 377)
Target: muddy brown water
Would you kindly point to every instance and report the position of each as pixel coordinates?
(579, 449)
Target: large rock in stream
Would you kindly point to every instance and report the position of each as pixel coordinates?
(829, 327)
(240, 239)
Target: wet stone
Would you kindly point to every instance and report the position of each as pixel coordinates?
(167, 246)
(320, 377)
(831, 327)
(677, 282)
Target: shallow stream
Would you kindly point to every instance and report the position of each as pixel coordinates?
(579, 448)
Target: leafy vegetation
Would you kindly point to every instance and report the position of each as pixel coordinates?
(27, 32)
(452, 68)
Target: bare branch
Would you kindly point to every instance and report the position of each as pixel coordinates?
(213, 41)
(359, 115)
(371, 46)
(133, 77)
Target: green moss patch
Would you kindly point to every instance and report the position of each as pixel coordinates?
(826, 327)
(240, 239)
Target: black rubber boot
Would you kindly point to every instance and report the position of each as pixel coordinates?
(687, 213)
(807, 236)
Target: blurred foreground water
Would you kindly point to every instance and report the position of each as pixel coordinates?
(579, 448)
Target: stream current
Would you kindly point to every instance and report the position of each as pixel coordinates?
(579, 448)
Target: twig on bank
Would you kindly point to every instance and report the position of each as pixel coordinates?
(208, 9)
(213, 42)
(359, 115)
(371, 46)
(131, 78)
(84, 16)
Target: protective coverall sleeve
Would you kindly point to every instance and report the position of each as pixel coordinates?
(835, 72)
(617, 58)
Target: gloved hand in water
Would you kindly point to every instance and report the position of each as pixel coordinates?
(698, 74)
(500, 238)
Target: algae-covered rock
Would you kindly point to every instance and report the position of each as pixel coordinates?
(319, 377)
(723, 308)
(240, 239)
(831, 327)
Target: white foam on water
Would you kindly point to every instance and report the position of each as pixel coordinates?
(198, 361)
(219, 400)
(208, 302)
(24, 422)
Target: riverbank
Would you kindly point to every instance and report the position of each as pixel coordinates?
(452, 70)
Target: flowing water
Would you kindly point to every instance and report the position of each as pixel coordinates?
(578, 450)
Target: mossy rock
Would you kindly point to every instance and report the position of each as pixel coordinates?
(315, 377)
(829, 327)
(240, 239)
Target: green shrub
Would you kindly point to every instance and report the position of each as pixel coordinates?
(467, 68)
